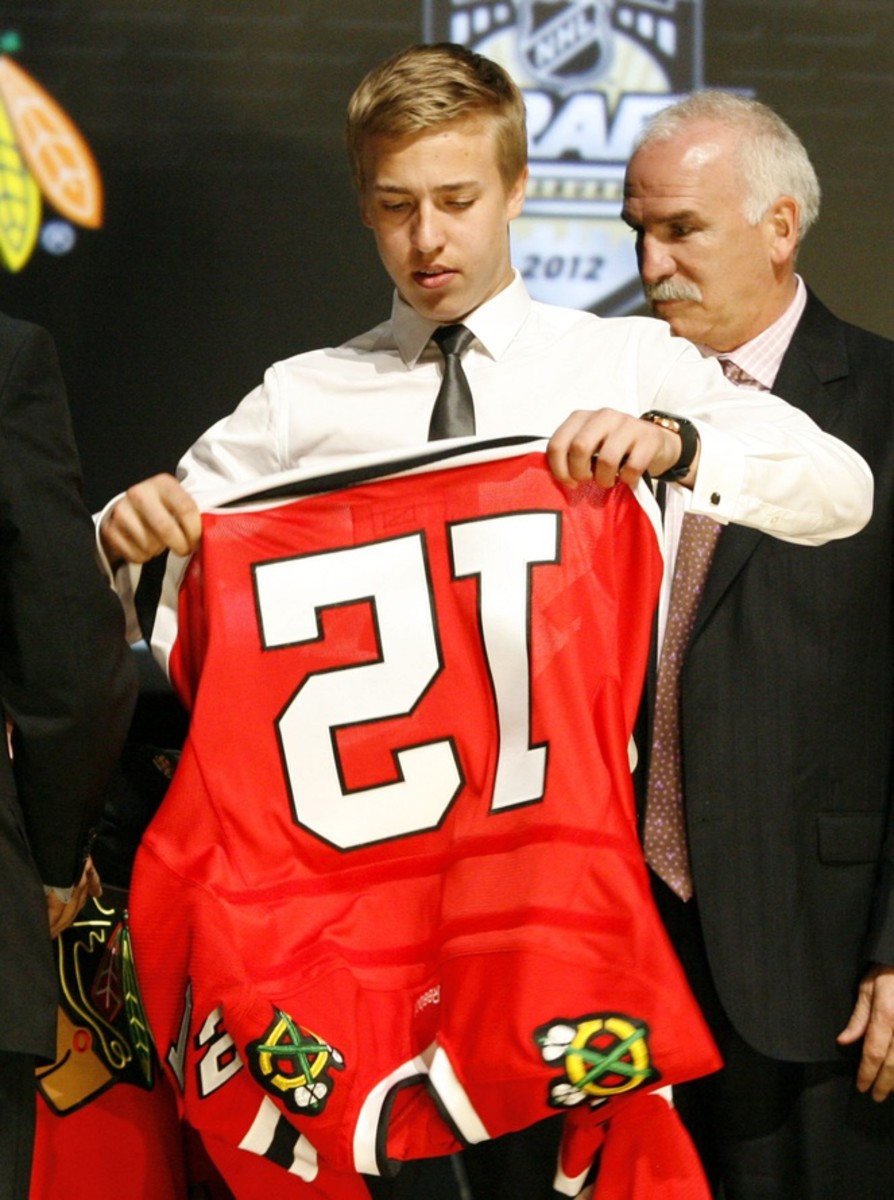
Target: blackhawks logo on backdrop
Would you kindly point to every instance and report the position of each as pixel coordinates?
(601, 1055)
(294, 1065)
(43, 157)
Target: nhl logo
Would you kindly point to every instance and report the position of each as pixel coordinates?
(566, 44)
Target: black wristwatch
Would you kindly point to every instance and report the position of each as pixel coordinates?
(688, 439)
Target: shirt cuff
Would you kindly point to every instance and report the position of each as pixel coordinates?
(721, 473)
(62, 894)
(123, 580)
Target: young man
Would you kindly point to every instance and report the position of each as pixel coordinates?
(787, 690)
(437, 143)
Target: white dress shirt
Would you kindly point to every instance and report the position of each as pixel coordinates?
(763, 463)
(762, 356)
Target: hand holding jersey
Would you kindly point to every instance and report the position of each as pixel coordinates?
(62, 910)
(152, 517)
(612, 447)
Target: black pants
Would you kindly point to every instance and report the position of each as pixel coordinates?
(772, 1130)
(18, 1113)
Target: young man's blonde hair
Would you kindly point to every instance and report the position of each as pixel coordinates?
(423, 87)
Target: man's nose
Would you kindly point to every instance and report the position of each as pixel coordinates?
(428, 233)
(655, 260)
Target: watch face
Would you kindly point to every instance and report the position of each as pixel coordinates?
(688, 436)
(666, 422)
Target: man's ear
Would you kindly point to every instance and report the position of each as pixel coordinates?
(784, 218)
(515, 197)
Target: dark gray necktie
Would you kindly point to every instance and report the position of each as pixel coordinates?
(454, 412)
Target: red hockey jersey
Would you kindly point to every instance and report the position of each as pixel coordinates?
(394, 900)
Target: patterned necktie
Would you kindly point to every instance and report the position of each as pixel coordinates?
(740, 378)
(664, 835)
(454, 412)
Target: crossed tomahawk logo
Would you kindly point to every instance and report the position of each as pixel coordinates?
(603, 1055)
(294, 1064)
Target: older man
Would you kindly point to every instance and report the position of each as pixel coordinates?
(780, 906)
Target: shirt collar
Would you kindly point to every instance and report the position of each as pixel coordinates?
(494, 323)
(762, 357)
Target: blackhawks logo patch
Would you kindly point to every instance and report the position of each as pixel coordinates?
(602, 1055)
(102, 1037)
(294, 1065)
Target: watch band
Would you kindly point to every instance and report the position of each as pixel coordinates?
(688, 435)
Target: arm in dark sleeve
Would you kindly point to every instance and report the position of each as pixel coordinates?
(67, 679)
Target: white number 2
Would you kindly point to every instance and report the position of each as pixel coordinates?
(393, 576)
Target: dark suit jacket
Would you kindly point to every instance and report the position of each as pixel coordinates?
(788, 727)
(67, 678)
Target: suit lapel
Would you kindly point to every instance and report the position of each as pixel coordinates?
(815, 360)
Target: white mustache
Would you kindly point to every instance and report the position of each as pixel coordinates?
(670, 289)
